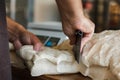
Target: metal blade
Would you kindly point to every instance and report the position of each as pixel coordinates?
(77, 46)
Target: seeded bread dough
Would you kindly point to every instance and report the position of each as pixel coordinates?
(100, 58)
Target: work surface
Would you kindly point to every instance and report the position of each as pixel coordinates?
(24, 74)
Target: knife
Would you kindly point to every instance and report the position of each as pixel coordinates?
(77, 45)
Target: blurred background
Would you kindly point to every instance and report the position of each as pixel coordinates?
(104, 13)
(43, 15)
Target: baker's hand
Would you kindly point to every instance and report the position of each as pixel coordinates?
(19, 36)
(24, 38)
(83, 24)
(73, 19)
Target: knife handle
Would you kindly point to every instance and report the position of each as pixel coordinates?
(79, 33)
(79, 36)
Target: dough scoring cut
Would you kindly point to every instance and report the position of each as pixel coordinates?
(100, 58)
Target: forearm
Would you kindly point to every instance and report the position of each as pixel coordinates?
(13, 26)
(70, 8)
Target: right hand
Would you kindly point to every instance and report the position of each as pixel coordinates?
(73, 19)
(83, 24)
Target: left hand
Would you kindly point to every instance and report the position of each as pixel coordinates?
(19, 36)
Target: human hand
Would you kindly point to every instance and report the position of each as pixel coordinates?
(25, 38)
(85, 25)
(73, 19)
(19, 36)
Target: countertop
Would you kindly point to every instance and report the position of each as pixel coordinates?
(24, 74)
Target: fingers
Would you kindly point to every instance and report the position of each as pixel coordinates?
(72, 39)
(27, 38)
(17, 44)
(37, 45)
(85, 39)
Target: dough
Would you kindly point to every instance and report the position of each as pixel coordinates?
(48, 61)
(100, 58)
(16, 61)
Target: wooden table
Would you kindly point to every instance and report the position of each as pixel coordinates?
(24, 74)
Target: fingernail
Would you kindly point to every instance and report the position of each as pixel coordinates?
(38, 47)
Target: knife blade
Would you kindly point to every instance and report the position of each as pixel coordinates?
(77, 45)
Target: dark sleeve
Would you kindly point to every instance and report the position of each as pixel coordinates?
(5, 68)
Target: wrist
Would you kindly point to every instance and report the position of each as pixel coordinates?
(73, 14)
(70, 8)
(74, 18)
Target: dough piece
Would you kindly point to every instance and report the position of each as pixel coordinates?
(101, 56)
(48, 61)
(16, 61)
(11, 47)
(43, 66)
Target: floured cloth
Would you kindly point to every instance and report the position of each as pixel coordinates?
(100, 58)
